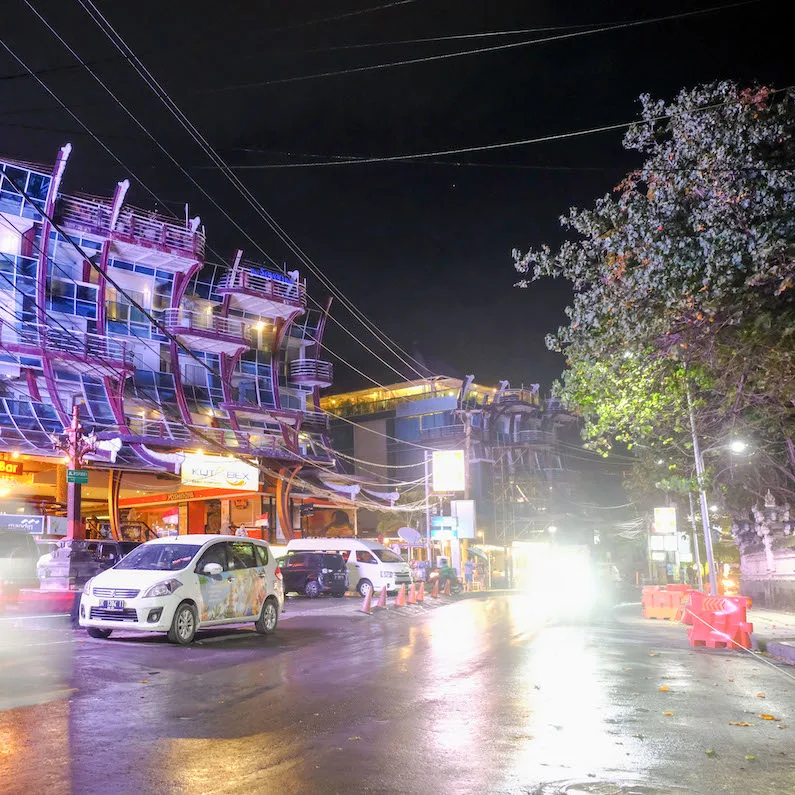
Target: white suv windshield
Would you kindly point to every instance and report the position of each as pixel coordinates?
(388, 556)
(159, 557)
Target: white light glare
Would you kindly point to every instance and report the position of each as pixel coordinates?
(738, 446)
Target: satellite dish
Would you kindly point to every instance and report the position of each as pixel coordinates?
(409, 535)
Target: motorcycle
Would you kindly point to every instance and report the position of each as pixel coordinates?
(445, 575)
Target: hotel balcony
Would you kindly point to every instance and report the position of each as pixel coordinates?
(208, 333)
(315, 422)
(443, 432)
(311, 372)
(535, 437)
(139, 237)
(165, 433)
(262, 292)
(79, 351)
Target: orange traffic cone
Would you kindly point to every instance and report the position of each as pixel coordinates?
(435, 591)
(412, 600)
(382, 598)
(401, 597)
(367, 604)
(446, 590)
(421, 592)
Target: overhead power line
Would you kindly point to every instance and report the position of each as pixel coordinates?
(475, 51)
(160, 92)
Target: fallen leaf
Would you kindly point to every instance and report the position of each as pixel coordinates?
(710, 752)
(663, 688)
(750, 757)
(731, 680)
(668, 713)
(768, 717)
(739, 723)
(652, 654)
(627, 669)
(761, 695)
(144, 681)
(354, 738)
(782, 725)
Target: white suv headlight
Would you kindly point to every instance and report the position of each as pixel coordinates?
(87, 587)
(165, 588)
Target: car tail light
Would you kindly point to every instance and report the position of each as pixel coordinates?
(278, 573)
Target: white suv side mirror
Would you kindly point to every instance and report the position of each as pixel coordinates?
(212, 568)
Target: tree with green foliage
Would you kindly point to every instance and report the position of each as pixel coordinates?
(683, 287)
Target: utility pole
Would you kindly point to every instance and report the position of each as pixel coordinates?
(696, 550)
(75, 444)
(713, 579)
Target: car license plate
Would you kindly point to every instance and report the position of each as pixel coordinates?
(112, 604)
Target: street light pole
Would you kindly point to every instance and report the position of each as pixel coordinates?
(713, 580)
(428, 508)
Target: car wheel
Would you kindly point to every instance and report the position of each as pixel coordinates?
(268, 618)
(96, 632)
(364, 587)
(338, 594)
(183, 625)
(312, 589)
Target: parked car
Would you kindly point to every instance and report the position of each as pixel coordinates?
(370, 564)
(18, 553)
(82, 559)
(314, 573)
(180, 584)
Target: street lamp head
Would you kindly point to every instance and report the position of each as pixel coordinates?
(552, 529)
(738, 446)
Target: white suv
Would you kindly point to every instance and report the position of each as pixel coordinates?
(182, 583)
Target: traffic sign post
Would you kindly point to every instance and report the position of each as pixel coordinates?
(77, 476)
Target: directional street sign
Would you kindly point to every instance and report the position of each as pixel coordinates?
(77, 476)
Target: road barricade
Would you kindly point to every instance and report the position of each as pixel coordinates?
(664, 601)
(718, 622)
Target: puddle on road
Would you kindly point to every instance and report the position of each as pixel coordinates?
(596, 787)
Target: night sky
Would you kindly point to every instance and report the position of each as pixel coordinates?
(422, 248)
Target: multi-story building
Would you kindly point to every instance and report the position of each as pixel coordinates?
(518, 472)
(122, 311)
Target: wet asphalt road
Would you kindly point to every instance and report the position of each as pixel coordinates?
(477, 697)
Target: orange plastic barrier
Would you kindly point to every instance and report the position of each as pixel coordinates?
(663, 602)
(718, 622)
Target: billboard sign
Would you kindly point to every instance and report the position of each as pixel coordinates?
(665, 521)
(448, 470)
(464, 512)
(213, 471)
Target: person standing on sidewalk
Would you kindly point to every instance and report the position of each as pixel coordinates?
(469, 571)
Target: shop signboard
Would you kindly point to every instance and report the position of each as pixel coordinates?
(448, 471)
(22, 523)
(217, 472)
(444, 528)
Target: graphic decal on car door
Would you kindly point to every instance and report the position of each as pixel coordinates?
(239, 591)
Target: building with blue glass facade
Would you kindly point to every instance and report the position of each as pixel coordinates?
(122, 312)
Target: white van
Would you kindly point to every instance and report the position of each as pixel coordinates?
(370, 564)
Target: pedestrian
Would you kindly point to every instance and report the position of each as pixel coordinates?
(469, 573)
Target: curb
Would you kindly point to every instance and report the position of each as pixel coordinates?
(783, 650)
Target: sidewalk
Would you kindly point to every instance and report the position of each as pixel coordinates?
(774, 632)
